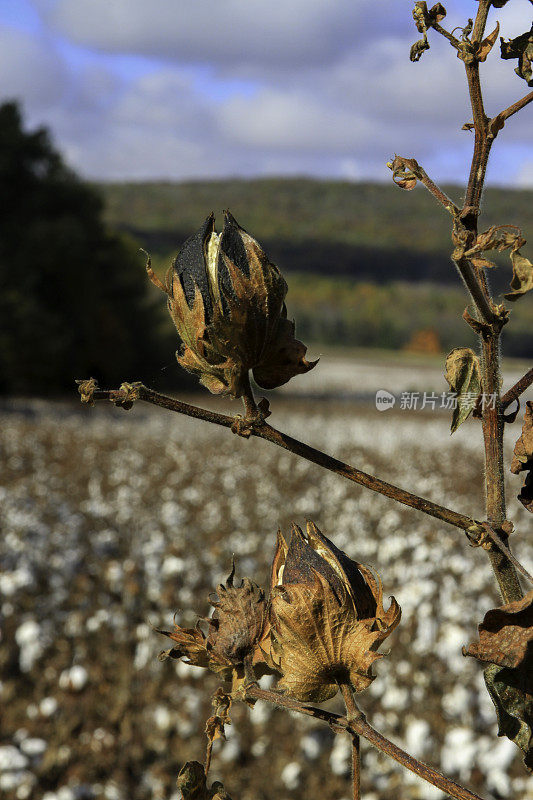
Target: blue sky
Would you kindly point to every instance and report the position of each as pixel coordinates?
(179, 89)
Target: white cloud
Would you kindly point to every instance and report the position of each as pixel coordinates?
(328, 88)
(226, 32)
(29, 68)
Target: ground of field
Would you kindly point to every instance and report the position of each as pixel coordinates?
(114, 521)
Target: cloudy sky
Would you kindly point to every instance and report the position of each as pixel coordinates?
(210, 88)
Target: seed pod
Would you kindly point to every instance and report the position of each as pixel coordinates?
(227, 301)
(327, 617)
(237, 625)
(234, 632)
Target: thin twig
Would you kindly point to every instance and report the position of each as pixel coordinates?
(518, 389)
(264, 431)
(359, 726)
(208, 753)
(352, 713)
(499, 120)
(479, 298)
(420, 173)
(447, 35)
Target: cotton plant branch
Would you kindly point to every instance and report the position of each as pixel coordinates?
(128, 393)
(472, 48)
(255, 425)
(517, 390)
(356, 725)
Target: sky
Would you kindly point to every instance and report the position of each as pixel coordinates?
(196, 89)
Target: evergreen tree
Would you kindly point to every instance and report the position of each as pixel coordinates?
(74, 296)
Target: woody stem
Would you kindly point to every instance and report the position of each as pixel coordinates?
(352, 713)
(264, 431)
(250, 407)
(359, 726)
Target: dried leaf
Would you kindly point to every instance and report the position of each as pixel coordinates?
(463, 374)
(523, 449)
(475, 324)
(521, 48)
(505, 637)
(418, 49)
(214, 728)
(437, 13)
(505, 634)
(192, 784)
(511, 691)
(522, 280)
(523, 458)
(482, 263)
(488, 43)
(498, 237)
(402, 176)
(420, 13)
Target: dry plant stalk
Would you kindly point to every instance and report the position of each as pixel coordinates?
(323, 621)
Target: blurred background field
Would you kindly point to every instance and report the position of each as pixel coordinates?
(113, 522)
(367, 265)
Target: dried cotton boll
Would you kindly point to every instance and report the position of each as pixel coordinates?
(327, 617)
(226, 300)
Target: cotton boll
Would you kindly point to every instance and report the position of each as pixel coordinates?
(74, 679)
(417, 737)
(340, 759)
(12, 759)
(291, 775)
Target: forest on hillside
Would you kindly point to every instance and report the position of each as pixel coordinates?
(367, 264)
(366, 231)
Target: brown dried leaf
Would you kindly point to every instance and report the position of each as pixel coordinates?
(523, 458)
(505, 634)
(505, 637)
(522, 280)
(497, 237)
(214, 728)
(475, 324)
(192, 784)
(437, 13)
(511, 691)
(417, 50)
(488, 43)
(523, 449)
(521, 48)
(463, 374)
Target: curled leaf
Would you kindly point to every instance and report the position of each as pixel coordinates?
(523, 458)
(521, 48)
(522, 280)
(511, 691)
(418, 49)
(405, 172)
(505, 638)
(497, 237)
(505, 634)
(488, 43)
(192, 784)
(463, 374)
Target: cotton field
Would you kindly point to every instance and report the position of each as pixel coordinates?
(113, 522)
